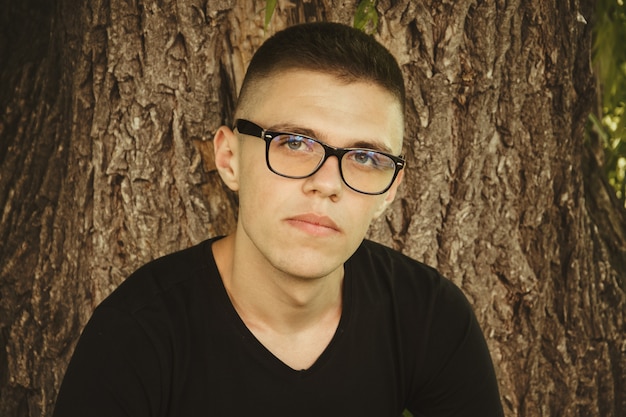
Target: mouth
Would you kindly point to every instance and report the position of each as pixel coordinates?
(314, 224)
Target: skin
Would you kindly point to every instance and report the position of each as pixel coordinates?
(283, 266)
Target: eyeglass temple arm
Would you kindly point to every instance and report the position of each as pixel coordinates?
(248, 128)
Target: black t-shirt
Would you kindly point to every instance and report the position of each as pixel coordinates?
(168, 342)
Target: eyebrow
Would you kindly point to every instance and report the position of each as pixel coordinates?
(365, 144)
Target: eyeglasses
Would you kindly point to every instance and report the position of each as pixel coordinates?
(297, 156)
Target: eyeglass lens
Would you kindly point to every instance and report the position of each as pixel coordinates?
(298, 157)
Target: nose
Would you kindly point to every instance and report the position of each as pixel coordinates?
(327, 180)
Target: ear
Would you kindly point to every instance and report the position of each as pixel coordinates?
(391, 195)
(225, 147)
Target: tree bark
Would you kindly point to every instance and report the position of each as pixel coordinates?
(108, 109)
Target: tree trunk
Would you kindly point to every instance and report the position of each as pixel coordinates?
(108, 108)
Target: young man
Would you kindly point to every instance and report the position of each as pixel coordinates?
(293, 314)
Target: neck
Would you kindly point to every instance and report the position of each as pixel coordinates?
(267, 298)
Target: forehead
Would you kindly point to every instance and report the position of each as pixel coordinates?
(336, 111)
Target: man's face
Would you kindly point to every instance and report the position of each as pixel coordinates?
(309, 227)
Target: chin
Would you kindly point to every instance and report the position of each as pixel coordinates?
(310, 270)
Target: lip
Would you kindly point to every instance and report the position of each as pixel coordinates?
(314, 224)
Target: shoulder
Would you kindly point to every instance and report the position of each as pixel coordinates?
(386, 257)
(158, 306)
(396, 269)
(167, 276)
(420, 292)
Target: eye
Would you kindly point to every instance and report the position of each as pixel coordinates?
(366, 159)
(295, 143)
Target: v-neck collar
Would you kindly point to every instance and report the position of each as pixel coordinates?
(259, 350)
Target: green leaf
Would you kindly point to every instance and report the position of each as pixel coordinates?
(366, 16)
(270, 6)
(609, 58)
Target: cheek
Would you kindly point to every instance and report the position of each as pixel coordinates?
(364, 211)
(261, 192)
(252, 171)
(252, 190)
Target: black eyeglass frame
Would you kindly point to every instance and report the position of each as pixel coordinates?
(252, 129)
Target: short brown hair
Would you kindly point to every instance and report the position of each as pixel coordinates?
(331, 48)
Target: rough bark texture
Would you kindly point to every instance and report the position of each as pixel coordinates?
(107, 111)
